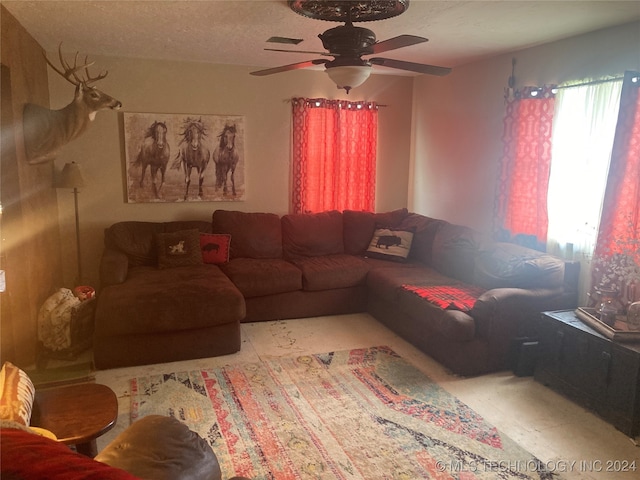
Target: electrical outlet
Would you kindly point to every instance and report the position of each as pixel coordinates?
(2, 282)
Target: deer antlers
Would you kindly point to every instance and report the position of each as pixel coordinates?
(71, 73)
(46, 131)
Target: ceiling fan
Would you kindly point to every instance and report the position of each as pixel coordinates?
(348, 44)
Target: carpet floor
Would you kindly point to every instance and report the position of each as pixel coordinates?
(356, 414)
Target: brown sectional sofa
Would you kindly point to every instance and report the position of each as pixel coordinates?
(304, 265)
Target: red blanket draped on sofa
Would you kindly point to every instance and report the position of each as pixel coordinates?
(453, 297)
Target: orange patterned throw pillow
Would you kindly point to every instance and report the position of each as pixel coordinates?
(16, 395)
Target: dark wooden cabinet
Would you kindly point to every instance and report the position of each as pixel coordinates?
(590, 369)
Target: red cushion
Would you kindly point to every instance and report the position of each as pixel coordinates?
(28, 456)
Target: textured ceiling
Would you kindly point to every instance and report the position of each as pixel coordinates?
(235, 32)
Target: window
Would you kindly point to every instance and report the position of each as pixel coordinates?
(592, 200)
(334, 155)
(583, 129)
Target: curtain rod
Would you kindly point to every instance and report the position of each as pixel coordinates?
(592, 82)
(339, 100)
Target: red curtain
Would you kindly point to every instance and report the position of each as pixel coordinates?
(617, 253)
(334, 155)
(521, 200)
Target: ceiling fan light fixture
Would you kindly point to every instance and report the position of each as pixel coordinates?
(349, 76)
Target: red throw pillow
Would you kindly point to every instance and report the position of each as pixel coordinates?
(215, 247)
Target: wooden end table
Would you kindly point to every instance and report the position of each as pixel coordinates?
(76, 414)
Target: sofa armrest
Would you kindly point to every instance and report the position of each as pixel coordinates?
(504, 312)
(114, 267)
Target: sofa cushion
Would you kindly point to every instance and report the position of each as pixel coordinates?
(253, 235)
(386, 282)
(392, 244)
(151, 303)
(256, 277)
(215, 247)
(312, 234)
(509, 265)
(454, 251)
(424, 231)
(358, 227)
(178, 249)
(177, 225)
(331, 271)
(136, 240)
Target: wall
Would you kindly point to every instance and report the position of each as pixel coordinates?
(180, 87)
(457, 120)
(30, 243)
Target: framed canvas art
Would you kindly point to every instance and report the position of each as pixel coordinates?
(184, 157)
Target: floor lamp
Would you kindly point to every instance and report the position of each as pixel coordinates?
(71, 177)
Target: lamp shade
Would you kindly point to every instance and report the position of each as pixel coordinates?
(71, 176)
(349, 76)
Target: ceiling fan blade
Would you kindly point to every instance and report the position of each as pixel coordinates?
(299, 51)
(287, 40)
(410, 66)
(286, 68)
(397, 42)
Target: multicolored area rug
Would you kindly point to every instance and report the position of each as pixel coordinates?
(360, 414)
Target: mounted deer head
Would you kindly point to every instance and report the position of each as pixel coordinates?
(45, 131)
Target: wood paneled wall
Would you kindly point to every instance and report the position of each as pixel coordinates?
(30, 237)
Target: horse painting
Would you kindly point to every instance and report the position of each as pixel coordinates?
(157, 173)
(226, 158)
(192, 153)
(154, 152)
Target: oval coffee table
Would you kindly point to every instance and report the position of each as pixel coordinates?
(76, 414)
